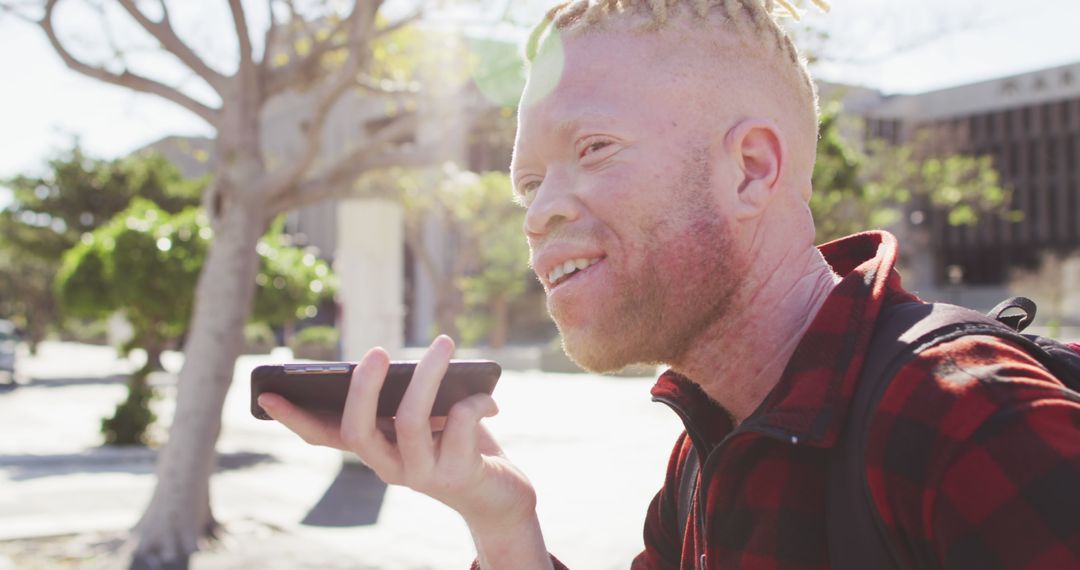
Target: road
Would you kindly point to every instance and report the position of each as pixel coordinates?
(594, 447)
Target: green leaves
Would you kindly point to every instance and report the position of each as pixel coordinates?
(856, 190)
(146, 262)
(126, 266)
(291, 282)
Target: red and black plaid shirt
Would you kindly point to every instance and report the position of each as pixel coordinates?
(967, 470)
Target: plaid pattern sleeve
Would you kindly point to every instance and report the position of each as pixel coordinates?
(974, 460)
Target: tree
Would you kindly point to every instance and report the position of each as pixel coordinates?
(500, 272)
(49, 214)
(330, 54)
(145, 262)
(858, 188)
(489, 268)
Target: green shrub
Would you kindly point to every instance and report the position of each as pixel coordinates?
(258, 338)
(315, 343)
(133, 417)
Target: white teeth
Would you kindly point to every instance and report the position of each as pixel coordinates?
(568, 267)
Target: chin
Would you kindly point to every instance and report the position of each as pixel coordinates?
(598, 357)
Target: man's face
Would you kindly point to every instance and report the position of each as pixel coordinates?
(619, 171)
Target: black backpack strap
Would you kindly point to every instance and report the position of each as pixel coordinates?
(687, 489)
(856, 534)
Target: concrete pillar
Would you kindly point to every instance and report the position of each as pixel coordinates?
(370, 266)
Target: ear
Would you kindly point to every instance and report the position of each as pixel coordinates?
(758, 151)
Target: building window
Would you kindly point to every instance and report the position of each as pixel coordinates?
(1072, 160)
(1033, 164)
(1051, 155)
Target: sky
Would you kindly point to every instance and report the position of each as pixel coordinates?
(44, 107)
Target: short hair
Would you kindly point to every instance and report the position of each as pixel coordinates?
(756, 19)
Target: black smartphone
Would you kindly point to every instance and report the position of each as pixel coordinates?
(322, 386)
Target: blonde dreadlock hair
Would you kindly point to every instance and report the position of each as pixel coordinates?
(752, 19)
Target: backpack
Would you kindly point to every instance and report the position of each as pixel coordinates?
(856, 534)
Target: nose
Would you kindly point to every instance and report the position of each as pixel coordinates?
(554, 205)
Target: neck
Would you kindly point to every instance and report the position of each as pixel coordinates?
(737, 362)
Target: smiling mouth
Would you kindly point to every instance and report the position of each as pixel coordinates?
(569, 269)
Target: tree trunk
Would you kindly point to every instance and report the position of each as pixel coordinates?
(179, 514)
(154, 350)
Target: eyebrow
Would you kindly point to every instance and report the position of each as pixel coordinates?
(566, 126)
(563, 128)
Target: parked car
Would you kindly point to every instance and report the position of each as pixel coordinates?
(9, 346)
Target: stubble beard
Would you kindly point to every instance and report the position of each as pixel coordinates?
(683, 288)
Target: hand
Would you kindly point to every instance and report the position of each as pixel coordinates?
(461, 466)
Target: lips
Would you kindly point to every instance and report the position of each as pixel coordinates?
(557, 264)
(569, 269)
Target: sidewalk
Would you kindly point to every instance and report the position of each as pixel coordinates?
(289, 505)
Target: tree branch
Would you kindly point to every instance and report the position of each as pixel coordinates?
(163, 32)
(126, 79)
(304, 71)
(301, 71)
(242, 36)
(338, 183)
(270, 38)
(411, 18)
(14, 10)
(313, 130)
(291, 182)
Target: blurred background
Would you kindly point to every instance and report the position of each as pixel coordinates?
(190, 189)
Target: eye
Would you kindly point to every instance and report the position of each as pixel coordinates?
(593, 146)
(526, 189)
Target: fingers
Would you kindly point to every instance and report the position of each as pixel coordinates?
(313, 429)
(358, 430)
(459, 446)
(412, 423)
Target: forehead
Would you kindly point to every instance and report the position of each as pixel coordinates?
(597, 76)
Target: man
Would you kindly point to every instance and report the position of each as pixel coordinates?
(664, 153)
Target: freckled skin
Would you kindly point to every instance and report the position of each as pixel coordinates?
(671, 269)
(652, 309)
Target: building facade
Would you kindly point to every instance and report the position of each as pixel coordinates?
(1030, 125)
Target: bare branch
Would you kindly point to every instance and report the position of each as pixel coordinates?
(343, 79)
(14, 10)
(165, 13)
(301, 71)
(411, 18)
(163, 32)
(126, 78)
(341, 185)
(295, 17)
(386, 86)
(270, 38)
(304, 71)
(242, 36)
(396, 130)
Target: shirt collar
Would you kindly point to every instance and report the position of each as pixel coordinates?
(810, 402)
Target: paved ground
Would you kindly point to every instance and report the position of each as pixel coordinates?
(594, 447)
